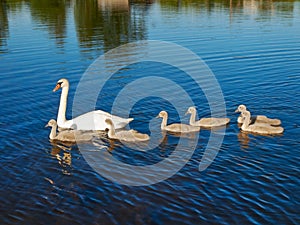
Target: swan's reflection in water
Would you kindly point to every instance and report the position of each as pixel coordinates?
(103, 151)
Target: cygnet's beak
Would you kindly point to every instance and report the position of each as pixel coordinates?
(187, 112)
(237, 110)
(47, 125)
(58, 86)
(157, 116)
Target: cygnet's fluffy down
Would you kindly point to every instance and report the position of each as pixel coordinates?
(259, 128)
(68, 135)
(258, 118)
(206, 122)
(175, 127)
(125, 135)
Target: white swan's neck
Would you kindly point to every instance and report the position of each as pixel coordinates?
(52, 134)
(164, 122)
(61, 117)
(193, 118)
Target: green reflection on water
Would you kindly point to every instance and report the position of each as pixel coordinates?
(3, 24)
(107, 24)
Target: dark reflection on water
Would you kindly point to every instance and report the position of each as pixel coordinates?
(251, 46)
(112, 23)
(109, 23)
(3, 24)
(235, 6)
(53, 16)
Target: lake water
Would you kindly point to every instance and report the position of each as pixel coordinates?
(251, 47)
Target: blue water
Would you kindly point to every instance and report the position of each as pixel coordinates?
(253, 50)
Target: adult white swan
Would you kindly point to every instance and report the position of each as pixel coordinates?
(94, 120)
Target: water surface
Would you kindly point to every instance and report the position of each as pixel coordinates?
(253, 49)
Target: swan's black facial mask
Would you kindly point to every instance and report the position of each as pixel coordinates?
(58, 86)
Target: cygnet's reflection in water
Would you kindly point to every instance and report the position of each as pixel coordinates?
(191, 135)
(139, 146)
(243, 139)
(62, 152)
(103, 152)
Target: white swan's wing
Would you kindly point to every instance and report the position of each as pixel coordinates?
(95, 120)
(62, 125)
(119, 122)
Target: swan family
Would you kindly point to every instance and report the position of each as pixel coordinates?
(101, 120)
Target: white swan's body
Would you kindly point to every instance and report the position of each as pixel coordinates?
(94, 120)
(175, 127)
(259, 128)
(258, 118)
(67, 135)
(125, 135)
(206, 122)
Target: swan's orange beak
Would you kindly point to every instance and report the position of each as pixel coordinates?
(58, 86)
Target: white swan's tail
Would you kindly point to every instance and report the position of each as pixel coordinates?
(122, 123)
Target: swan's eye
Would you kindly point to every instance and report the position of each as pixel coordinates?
(59, 83)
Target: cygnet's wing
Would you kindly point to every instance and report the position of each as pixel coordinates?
(213, 122)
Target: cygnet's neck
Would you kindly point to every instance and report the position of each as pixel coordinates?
(111, 131)
(164, 121)
(193, 117)
(246, 121)
(52, 134)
